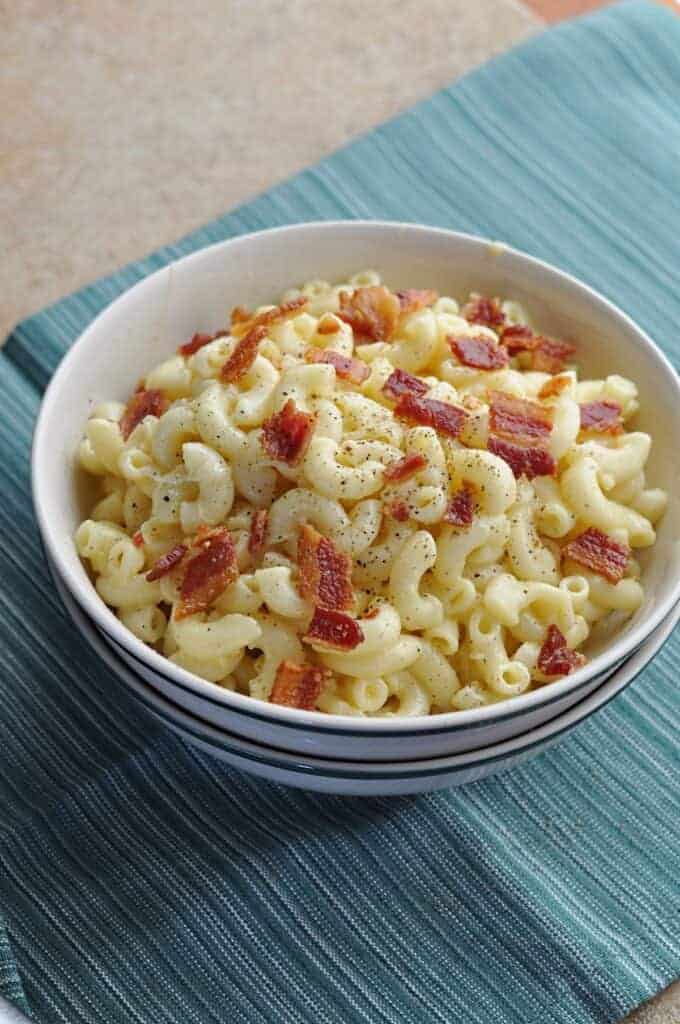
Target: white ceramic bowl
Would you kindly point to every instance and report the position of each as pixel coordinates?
(148, 322)
(366, 778)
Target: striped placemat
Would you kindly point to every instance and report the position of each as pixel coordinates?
(142, 881)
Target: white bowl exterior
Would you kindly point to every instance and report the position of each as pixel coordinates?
(147, 323)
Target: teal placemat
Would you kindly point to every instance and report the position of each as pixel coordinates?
(143, 882)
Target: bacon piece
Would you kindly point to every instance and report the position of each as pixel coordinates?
(398, 510)
(446, 419)
(555, 386)
(460, 510)
(346, 367)
(198, 341)
(143, 403)
(246, 322)
(480, 352)
(286, 434)
(596, 551)
(602, 417)
(519, 338)
(258, 531)
(325, 572)
(401, 383)
(243, 356)
(138, 539)
(334, 629)
(371, 312)
(555, 658)
(549, 356)
(413, 299)
(518, 419)
(531, 461)
(406, 467)
(480, 310)
(167, 562)
(209, 572)
(298, 686)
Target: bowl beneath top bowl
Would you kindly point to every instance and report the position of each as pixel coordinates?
(145, 324)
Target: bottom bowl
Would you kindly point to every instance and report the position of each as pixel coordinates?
(367, 778)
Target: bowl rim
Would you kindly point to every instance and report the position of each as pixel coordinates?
(182, 720)
(87, 597)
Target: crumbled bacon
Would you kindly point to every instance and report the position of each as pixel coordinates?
(555, 658)
(143, 403)
(596, 551)
(372, 313)
(480, 310)
(602, 417)
(445, 418)
(246, 322)
(208, 573)
(199, 341)
(413, 299)
(401, 383)
(479, 352)
(286, 434)
(461, 508)
(258, 531)
(555, 386)
(325, 573)
(346, 367)
(406, 467)
(398, 510)
(138, 539)
(549, 356)
(334, 629)
(298, 686)
(167, 562)
(519, 338)
(518, 419)
(243, 356)
(531, 461)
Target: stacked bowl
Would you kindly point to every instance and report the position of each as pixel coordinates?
(324, 752)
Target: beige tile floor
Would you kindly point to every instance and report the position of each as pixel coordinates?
(126, 125)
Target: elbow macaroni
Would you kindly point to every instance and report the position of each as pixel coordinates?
(452, 617)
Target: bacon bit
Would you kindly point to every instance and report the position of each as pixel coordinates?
(286, 434)
(372, 312)
(555, 386)
(555, 658)
(598, 552)
(198, 341)
(519, 338)
(406, 467)
(209, 572)
(518, 419)
(258, 531)
(240, 315)
(479, 352)
(328, 325)
(602, 417)
(143, 403)
(346, 367)
(460, 510)
(398, 510)
(530, 461)
(549, 356)
(167, 562)
(480, 310)
(266, 319)
(413, 299)
(334, 629)
(401, 383)
(445, 418)
(298, 686)
(325, 572)
(138, 539)
(243, 356)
